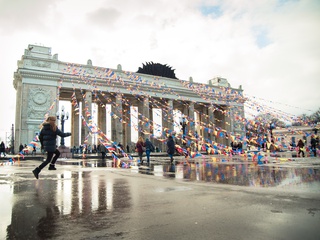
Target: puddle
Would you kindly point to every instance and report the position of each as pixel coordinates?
(241, 174)
(96, 199)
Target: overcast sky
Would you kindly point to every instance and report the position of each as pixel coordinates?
(270, 47)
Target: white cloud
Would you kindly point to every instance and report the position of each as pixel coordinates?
(268, 47)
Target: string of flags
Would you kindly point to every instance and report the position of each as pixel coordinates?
(78, 75)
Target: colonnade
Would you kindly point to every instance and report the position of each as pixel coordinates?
(202, 119)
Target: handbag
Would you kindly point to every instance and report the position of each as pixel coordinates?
(143, 148)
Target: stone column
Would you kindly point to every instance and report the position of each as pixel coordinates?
(191, 118)
(231, 119)
(74, 127)
(164, 122)
(82, 126)
(170, 115)
(241, 123)
(140, 119)
(220, 124)
(197, 123)
(117, 119)
(164, 128)
(102, 118)
(146, 118)
(113, 117)
(127, 127)
(223, 121)
(151, 125)
(211, 124)
(87, 113)
(228, 123)
(205, 122)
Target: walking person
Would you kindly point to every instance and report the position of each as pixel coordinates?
(103, 151)
(149, 149)
(20, 148)
(48, 137)
(2, 149)
(140, 146)
(300, 145)
(314, 145)
(34, 151)
(170, 148)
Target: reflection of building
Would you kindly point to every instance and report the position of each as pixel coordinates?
(6, 210)
(75, 194)
(245, 174)
(41, 77)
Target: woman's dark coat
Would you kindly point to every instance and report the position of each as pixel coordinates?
(171, 146)
(48, 138)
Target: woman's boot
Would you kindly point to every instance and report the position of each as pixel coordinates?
(52, 167)
(36, 172)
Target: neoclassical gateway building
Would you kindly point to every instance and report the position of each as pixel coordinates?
(208, 112)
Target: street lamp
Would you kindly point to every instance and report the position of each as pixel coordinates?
(12, 139)
(62, 117)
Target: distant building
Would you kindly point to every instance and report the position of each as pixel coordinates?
(294, 133)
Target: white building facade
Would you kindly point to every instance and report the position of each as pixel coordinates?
(42, 80)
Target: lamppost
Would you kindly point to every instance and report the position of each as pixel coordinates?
(12, 139)
(62, 117)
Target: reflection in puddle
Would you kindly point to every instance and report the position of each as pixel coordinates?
(35, 206)
(90, 200)
(246, 174)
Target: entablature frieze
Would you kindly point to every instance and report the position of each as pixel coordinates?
(38, 62)
(38, 75)
(151, 85)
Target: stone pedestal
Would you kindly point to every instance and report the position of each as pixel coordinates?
(65, 152)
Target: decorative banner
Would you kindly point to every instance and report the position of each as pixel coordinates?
(212, 95)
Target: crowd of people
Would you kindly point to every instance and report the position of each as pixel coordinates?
(236, 147)
(280, 144)
(141, 146)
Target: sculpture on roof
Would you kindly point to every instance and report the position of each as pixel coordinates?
(157, 69)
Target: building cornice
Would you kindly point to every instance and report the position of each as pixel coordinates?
(33, 67)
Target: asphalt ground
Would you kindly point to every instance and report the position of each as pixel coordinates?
(79, 201)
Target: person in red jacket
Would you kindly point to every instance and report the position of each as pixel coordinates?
(140, 147)
(301, 147)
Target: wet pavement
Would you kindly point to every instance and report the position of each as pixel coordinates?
(200, 199)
